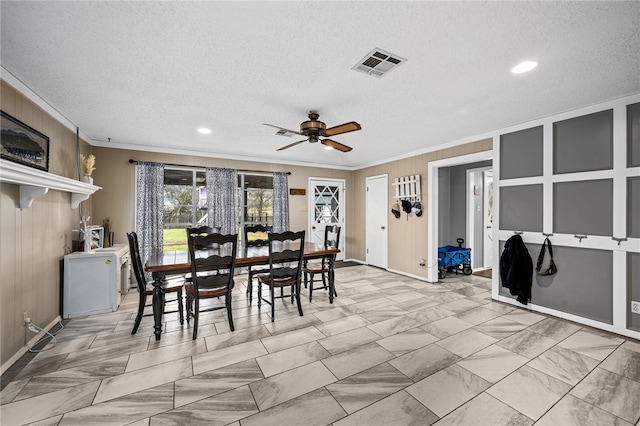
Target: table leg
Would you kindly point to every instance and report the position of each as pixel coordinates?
(158, 305)
(332, 289)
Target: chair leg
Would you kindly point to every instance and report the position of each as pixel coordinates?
(250, 285)
(141, 303)
(306, 273)
(229, 314)
(292, 295)
(259, 293)
(297, 286)
(196, 313)
(324, 280)
(273, 303)
(180, 311)
(310, 287)
(187, 306)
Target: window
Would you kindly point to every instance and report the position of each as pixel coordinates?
(256, 199)
(185, 203)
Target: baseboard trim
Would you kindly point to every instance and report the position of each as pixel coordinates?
(23, 350)
(417, 277)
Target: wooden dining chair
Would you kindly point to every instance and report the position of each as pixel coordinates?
(171, 285)
(255, 236)
(331, 240)
(286, 251)
(212, 272)
(202, 230)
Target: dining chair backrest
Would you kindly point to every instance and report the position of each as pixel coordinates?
(254, 235)
(136, 261)
(331, 236)
(202, 230)
(286, 250)
(212, 268)
(331, 240)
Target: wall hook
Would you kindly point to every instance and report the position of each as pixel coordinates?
(579, 237)
(619, 240)
(518, 232)
(547, 235)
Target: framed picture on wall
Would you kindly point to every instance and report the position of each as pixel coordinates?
(22, 144)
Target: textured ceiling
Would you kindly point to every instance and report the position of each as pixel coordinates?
(147, 74)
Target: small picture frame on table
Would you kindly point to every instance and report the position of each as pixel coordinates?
(23, 144)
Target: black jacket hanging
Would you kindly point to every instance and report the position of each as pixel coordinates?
(516, 269)
(552, 269)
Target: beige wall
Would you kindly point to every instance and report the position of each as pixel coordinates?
(116, 176)
(33, 240)
(407, 238)
(407, 243)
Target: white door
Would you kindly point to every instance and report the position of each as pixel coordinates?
(488, 219)
(480, 217)
(377, 216)
(326, 207)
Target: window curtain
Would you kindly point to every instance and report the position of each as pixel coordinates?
(222, 199)
(280, 202)
(149, 208)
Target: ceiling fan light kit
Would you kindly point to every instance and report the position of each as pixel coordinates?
(313, 129)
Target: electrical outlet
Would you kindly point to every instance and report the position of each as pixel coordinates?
(635, 307)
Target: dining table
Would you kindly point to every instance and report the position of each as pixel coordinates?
(177, 262)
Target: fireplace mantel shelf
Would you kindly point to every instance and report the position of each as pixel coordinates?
(34, 183)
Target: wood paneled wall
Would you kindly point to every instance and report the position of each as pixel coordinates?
(34, 240)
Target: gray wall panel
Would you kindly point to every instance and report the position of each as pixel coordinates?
(633, 135)
(583, 285)
(583, 143)
(521, 154)
(458, 208)
(521, 208)
(444, 206)
(452, 202)
(583, 207)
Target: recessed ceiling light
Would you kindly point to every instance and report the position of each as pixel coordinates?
(524, 67)
(204, 131)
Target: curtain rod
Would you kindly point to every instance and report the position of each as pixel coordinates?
(131, 161)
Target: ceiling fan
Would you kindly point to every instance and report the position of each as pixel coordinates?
(313, 129)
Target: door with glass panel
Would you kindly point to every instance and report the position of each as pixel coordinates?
(326, 207)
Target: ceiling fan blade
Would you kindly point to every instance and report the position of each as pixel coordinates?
(292, 144)
(282, 128)
(342, 128)
(336, 145)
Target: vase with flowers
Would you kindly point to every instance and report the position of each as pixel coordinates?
(88, 166)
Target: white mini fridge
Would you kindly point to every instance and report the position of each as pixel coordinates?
(93, 281)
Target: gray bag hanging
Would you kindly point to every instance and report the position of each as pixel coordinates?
(552, 269)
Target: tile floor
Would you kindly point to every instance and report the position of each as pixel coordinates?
(391, 350)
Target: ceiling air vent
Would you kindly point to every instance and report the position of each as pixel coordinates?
(378, 63)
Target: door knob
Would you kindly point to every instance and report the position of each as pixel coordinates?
(382, 227)
(313, 227)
